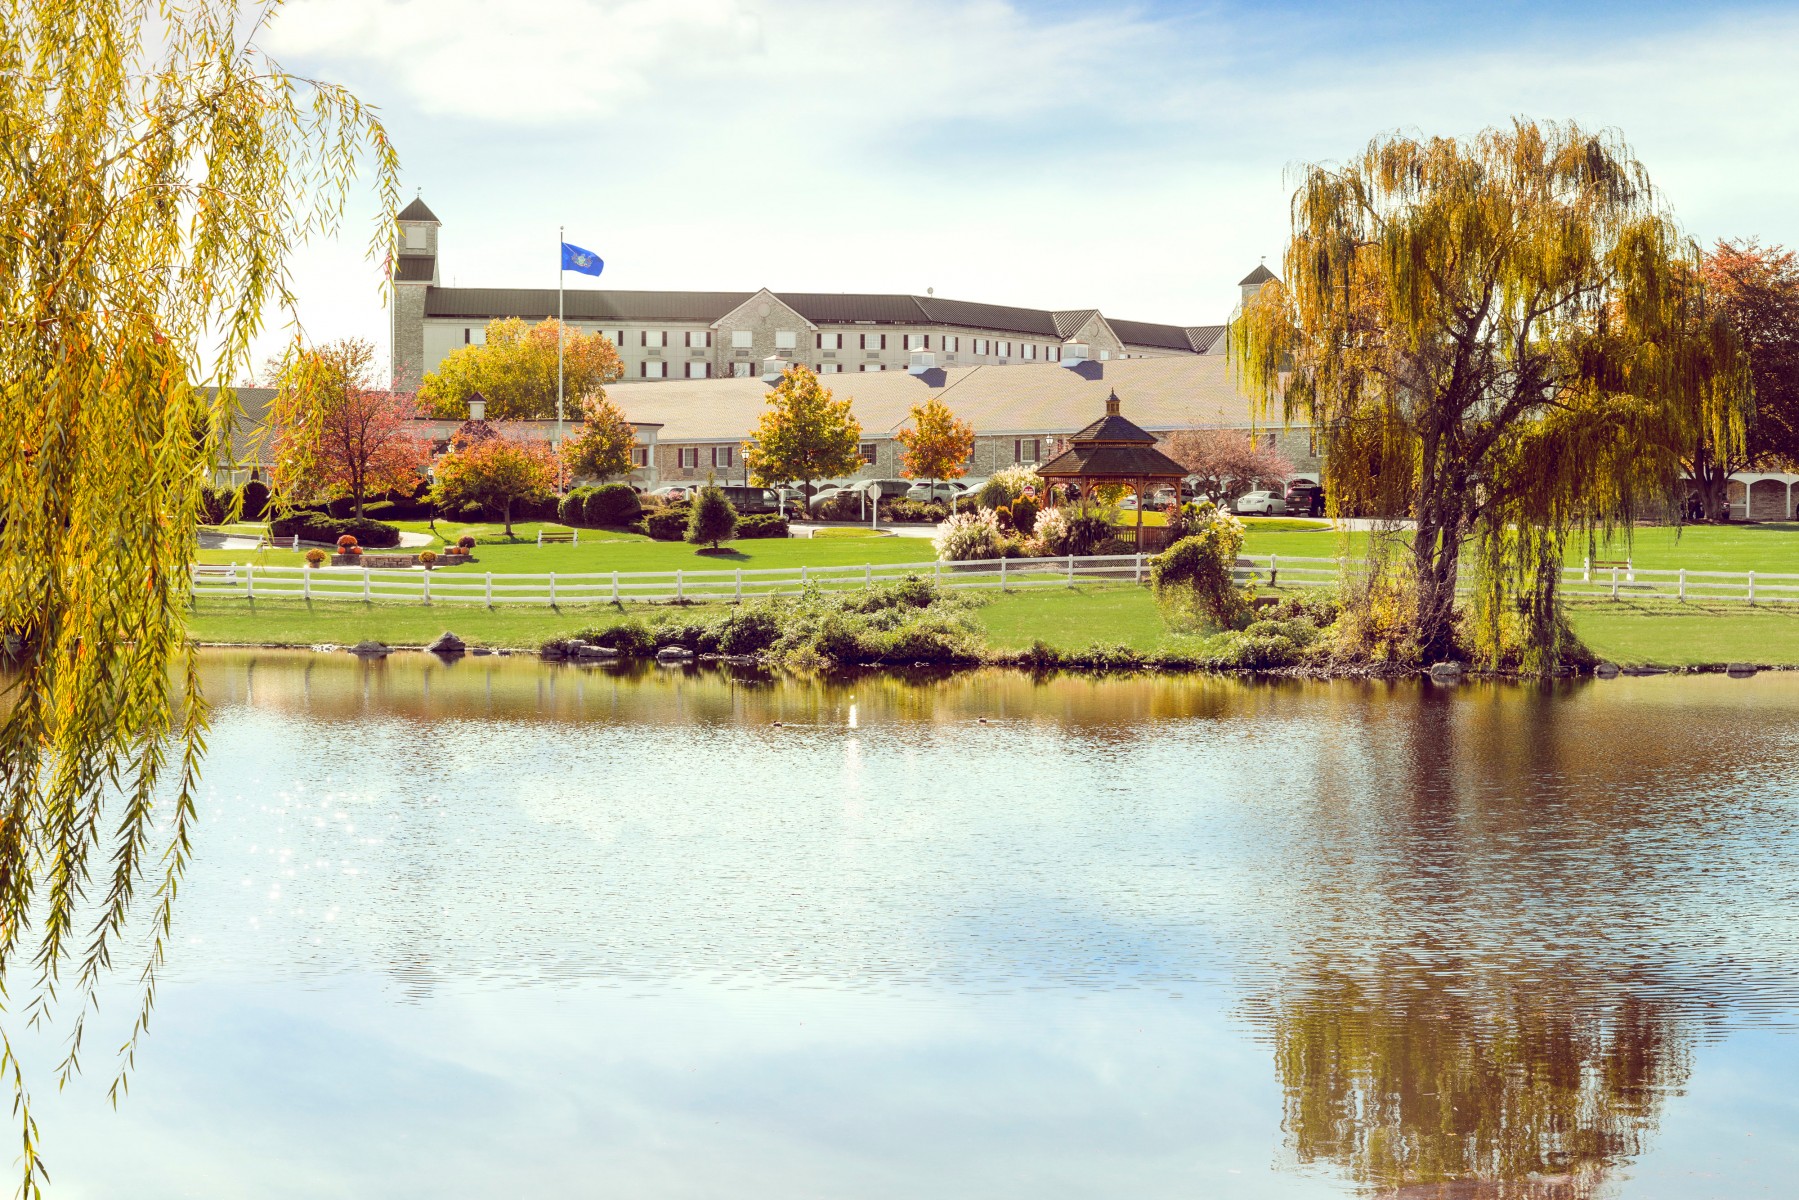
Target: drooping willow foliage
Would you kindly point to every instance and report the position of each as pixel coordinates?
(1504, 340)
(156, 174)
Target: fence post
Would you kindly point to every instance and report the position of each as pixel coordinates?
(937, 571)
(1614, 583)
(1586, 568)
(1274, 567)
(615, 587)
(306, 583)
(489, 595)
(1683, 584)
(1071, 570)
(868, 575)
(1137, 568)
(678, 583)
(740, 583)
(365, 583)
(250, 582)
(1752, 587)
(426, 580)
(1002, 574)
(802, 576)
(552, 589)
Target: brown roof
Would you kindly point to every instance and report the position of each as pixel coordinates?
(1114, 428)
(416, 211)
(1260, 275)
(1176, 392)
(1101, 460)
(414, 268)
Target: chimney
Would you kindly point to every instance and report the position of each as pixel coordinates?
(1112, 405)
(477, 407)
(922, 361)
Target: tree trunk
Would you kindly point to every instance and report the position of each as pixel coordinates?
(506, 509)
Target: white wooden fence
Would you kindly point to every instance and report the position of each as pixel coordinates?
(457, 585)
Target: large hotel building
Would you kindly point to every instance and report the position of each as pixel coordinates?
(703, 335)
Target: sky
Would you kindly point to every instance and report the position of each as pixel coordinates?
(1128, 157)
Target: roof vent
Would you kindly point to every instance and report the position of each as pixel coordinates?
(772, 367)
(477, 406)
(1112, 405)
(922, 361)
(1074, 353)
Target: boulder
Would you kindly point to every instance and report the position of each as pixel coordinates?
(448, 643)
(479, 651)
(1741, 670)
(1607, 670)
(1446, 670)
(589, 651)
(673, 654)
(370, 649)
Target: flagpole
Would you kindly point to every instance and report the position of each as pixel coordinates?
(560, 233)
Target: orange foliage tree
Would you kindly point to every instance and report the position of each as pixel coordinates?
(494, 472)
(937, 445)
(334, 431)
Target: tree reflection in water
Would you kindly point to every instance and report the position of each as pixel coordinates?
(1438, 1080)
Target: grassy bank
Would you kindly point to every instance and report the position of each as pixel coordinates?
(1067, 620)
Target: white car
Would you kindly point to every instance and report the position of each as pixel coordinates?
(1268, 504)
(943, 491)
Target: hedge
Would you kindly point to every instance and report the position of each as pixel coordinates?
(668, 524)
(762, 525)
(572, 511)
(611, 505)
(321, 527)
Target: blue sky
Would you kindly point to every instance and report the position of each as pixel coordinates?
(1128, 157)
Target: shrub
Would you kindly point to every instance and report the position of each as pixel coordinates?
(1051, 530)
(1024, 514)
(749, 631)
(318, 527)
(762, 525)
(713, 519)
(572, 509)
(316, 557)
(427, 557)
(967, 536)
(255, 495)
(915, 511)
(1194, 577)
(466, 542)
(613, 505)
(844, 506)
(215, 504)
(1086, 535)
(667, 524)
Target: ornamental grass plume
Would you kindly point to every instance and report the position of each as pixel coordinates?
(965, 537)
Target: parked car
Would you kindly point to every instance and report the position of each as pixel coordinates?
(943, 492)
(884, 489)
(752, 500)
(1305, 496)
(1268, 504)
(672, 493)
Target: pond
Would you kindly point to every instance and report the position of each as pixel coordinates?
(496, 928)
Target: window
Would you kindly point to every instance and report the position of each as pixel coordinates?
(915, 341)
(688, 458)
(868, 452)
(1005, 349)
(465, 334)
(953, 345)
(653, 370)
(740, 369)
(1027, 450)
(699, 339)
(927, 341)
(1053, 353)
(699, 370)
(415, 237)
(640, 456)
(723, 456)
(785, 339)
(742, 339)
(619, 341)
(1028, 351)
(829, 368)
(874, 366)
(1104, 355)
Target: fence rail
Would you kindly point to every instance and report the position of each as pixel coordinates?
(455, 585)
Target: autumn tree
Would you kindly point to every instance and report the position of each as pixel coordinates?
(1492, 338)
(601, 447)
(160, 172)
(494, 472)
(515, 371)
(335, 431)
(937, 445)
(804, 436)
(1756, 289)
(1227, 462)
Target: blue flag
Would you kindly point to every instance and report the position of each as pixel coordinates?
(585, 261)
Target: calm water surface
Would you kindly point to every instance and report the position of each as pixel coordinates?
(495, 929)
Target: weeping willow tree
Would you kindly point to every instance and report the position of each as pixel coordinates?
(1502, 339)
(156, 174)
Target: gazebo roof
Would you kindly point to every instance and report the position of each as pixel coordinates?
(1112, 448)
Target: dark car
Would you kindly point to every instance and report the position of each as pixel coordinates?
(1306, 497)
(752, 500)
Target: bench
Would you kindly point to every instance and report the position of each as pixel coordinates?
(546, 537)
(1607, 564)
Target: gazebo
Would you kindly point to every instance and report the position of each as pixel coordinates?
(1113, 450)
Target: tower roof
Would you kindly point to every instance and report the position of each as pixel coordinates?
(416, 211)
(1260, 275)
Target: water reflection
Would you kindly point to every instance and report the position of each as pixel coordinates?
(1428, 942)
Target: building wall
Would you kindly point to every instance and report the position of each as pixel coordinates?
(410, 359)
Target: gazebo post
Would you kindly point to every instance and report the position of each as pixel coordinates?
(1139, 487)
